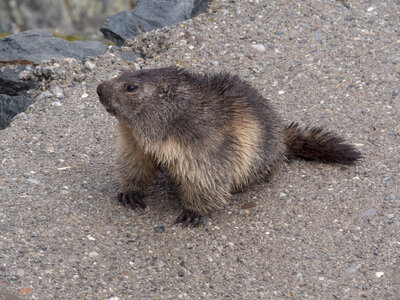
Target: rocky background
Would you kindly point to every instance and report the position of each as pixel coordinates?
(314, 231)
(68, 17)
(31, 47)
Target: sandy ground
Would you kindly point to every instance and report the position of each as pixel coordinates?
(313, 232)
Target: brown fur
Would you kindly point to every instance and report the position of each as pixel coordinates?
(214, 133)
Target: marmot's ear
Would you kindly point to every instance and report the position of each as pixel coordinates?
(164, 88)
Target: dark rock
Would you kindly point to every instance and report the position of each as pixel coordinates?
(38, 45)
(149, 15)
(159, 229)
(181, 273)
(12, 94)
(11, 85)
(10, 106)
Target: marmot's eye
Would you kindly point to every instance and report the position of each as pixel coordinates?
(131, 88)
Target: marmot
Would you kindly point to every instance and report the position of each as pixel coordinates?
(215, 134)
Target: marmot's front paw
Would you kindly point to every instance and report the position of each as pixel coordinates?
(135, 199)
(189, 218)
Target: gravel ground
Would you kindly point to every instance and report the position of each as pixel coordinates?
(313, 232)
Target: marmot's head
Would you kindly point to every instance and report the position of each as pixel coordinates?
(132, 93)
(144, 98)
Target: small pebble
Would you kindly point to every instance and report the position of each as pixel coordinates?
(379, 274)
(56, 103)
(57, 92)
(34, 181)
(370, 212)
(248, 205)
(160, 264)
(351, 270)
(93, 254)
(258, 47)
(159, 229)
(318, 35)
(90, 65)
(24, 291)
(46, 94)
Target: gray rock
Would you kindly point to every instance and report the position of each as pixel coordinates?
(149, 15)
(6, 27)
(128, 56)
(10, 84)
(10, 106)
(38, 45)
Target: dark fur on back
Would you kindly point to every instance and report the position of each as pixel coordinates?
(214, 133)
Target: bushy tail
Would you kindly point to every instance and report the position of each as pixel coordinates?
(314, 143)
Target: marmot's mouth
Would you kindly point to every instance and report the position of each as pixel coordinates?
(110, 110)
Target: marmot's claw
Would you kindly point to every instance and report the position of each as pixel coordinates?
(189, 218)
(134, 199)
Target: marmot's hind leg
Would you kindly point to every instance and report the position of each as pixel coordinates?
(200, 200)
(189, 218)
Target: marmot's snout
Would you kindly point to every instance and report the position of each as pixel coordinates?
(101, 91)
